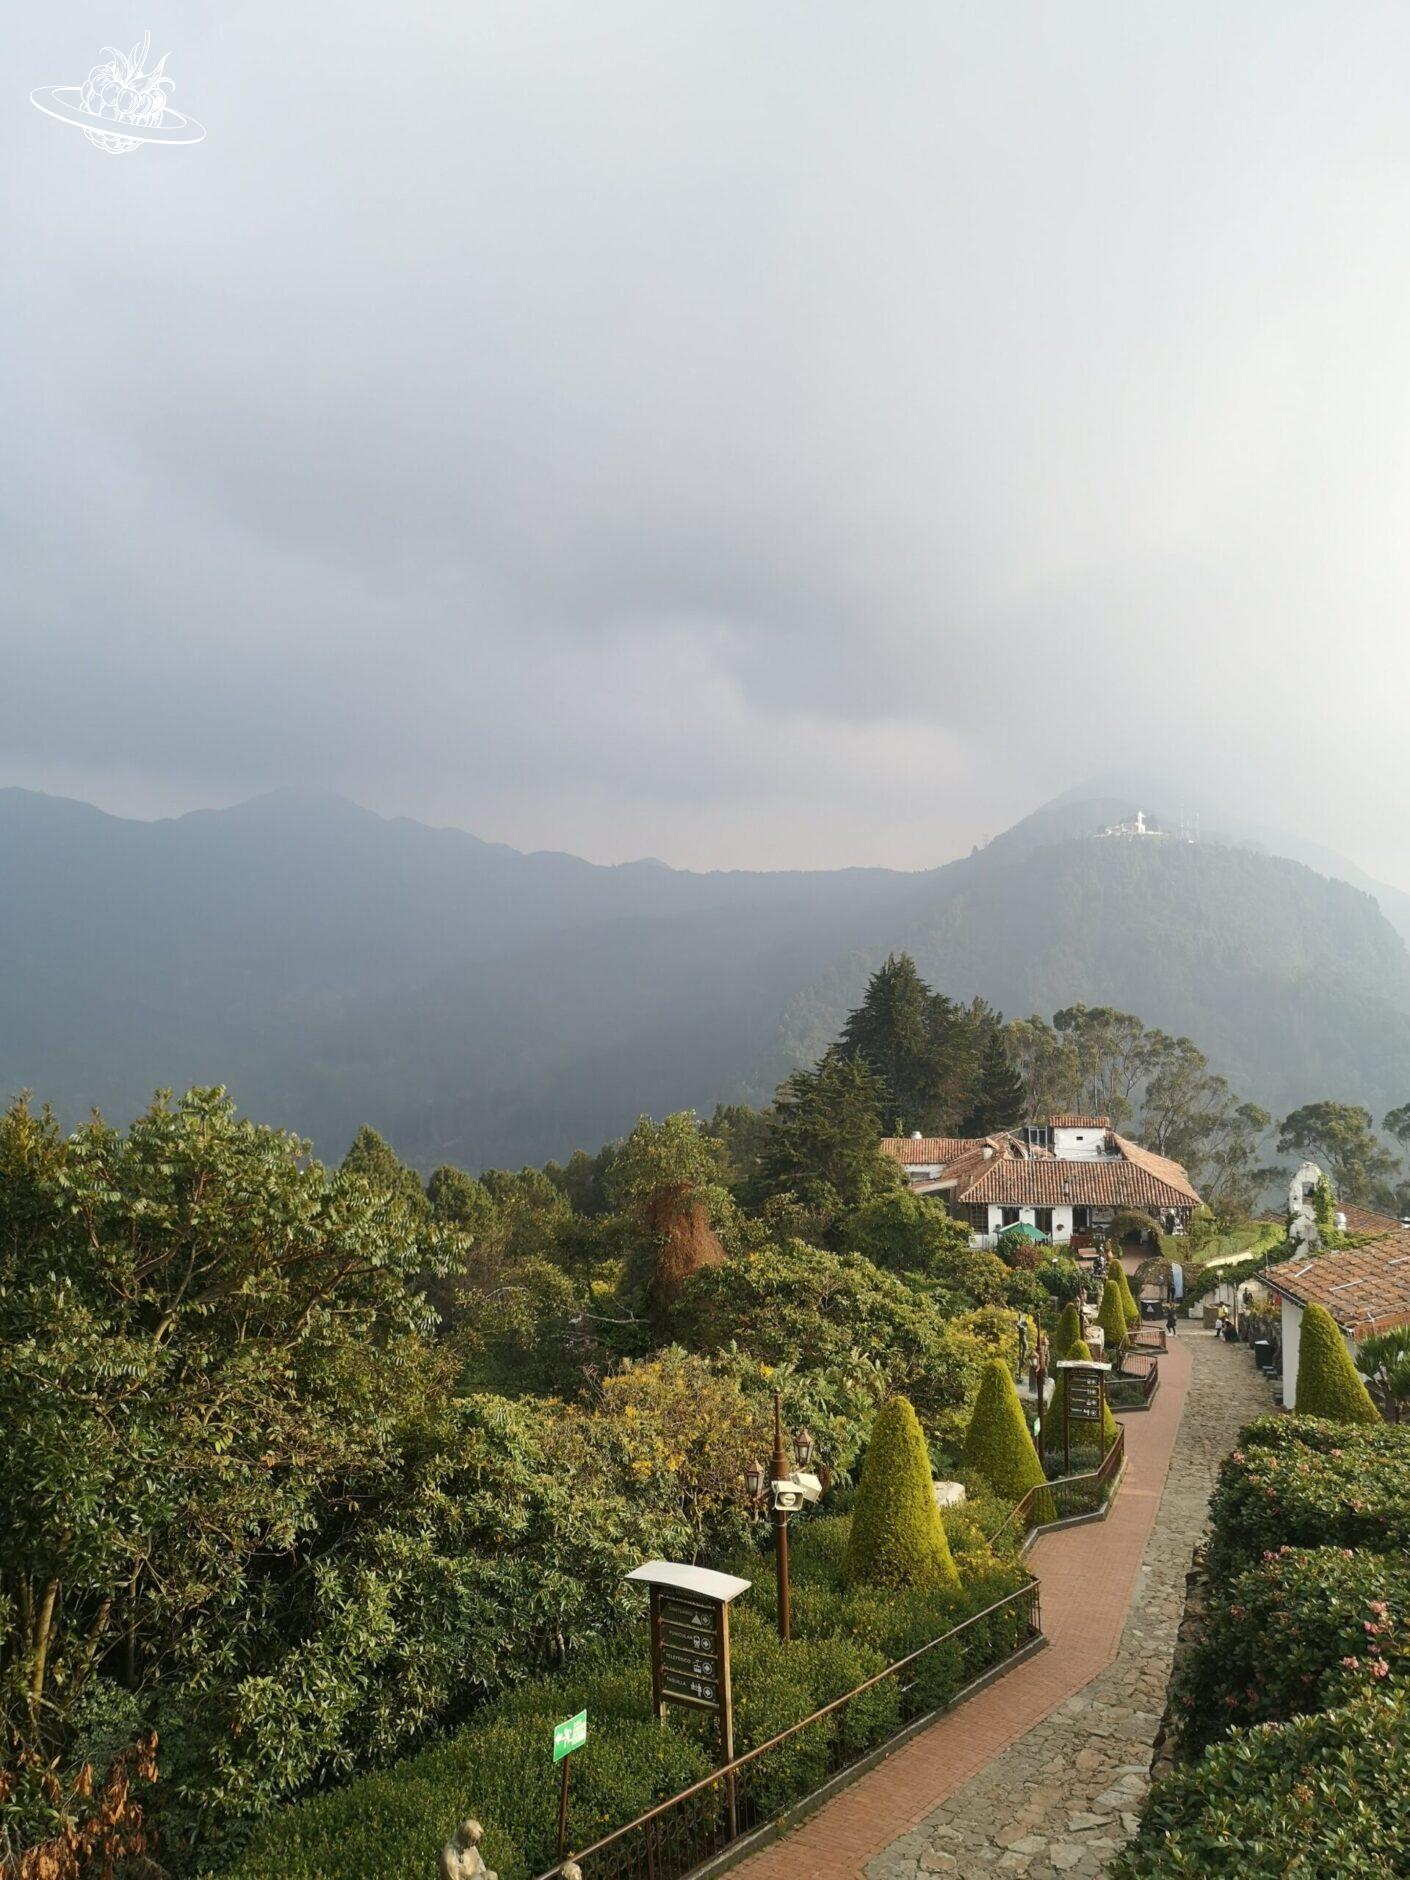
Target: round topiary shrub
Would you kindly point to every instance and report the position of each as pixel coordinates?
(897, 1537)
(1083, 1432)
(998, 1448)
(1327, 1383)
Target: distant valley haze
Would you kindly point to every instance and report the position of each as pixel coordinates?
(487, 1007)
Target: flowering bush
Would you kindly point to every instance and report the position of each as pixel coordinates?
(1300, 1483)
(1323, 1795)
(1302, 1629)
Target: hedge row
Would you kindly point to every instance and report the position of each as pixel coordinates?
(389, 1825)
(1296, 1691)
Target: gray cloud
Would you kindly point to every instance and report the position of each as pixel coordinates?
(742, 434)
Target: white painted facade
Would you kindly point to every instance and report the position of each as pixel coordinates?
(1058, 1232)
(1302, 1216)
(1292, 1345)
(1084, 1145)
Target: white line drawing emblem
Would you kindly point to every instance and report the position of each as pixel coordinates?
(119, 105)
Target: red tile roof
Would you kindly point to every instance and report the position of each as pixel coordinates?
(1366, 1220)
(912, 1151)
(1050, 1182)
(1071, 1120)
(1365, 1289)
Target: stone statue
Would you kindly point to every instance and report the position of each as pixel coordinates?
(461, 1858)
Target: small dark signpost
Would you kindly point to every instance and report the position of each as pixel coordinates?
(690, 1644)
(1083, 1400)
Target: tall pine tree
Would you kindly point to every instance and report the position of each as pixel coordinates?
(999, 1095)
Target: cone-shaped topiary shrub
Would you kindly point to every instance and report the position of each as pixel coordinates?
(897, 1537)
(997, 1445)
(1327, 1384)
(1128, 1299)
(1069, 1331)
(1084, 1434)
(1112, 1318)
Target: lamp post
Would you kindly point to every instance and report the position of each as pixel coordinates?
(787, 1491)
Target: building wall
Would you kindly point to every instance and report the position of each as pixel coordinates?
(1080, 1145)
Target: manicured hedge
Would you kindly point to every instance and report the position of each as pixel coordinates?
(1112, 1317)
(1302, 1629)
(998, 1448)
(1299, 1483)
(1327, 1381)
(1326, 1797)
(897, 1537)
(391, 1825)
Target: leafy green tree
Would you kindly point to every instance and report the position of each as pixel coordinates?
(1111, 1054)
(998, 1447)
(897, 1537)
(999, 1098)
(375, 1160)
(824, 1135)
(666, 1180)
(1327, 1383)
(905, 1233)
(1342, 1136)
(1117, 1273)
(458, 1200)
(1049, 1064)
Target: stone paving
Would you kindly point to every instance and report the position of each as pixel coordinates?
(1066, 1794)
(1043, 1772)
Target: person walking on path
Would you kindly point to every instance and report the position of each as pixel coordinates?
(1170, 1324)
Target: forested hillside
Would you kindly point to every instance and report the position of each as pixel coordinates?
(494, 1008)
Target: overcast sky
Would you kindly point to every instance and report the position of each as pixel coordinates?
(786, 433)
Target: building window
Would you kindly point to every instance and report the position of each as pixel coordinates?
(1043, 1220)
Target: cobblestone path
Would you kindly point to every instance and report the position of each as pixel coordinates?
(1043, 1772)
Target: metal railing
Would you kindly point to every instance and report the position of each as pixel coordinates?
(1149, 1335)
(675, 1836)
(1136, 1383)
(1064, 1498)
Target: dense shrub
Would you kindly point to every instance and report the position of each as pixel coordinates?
(1301, 1629)
(383, 1827)
(1299, 1482)
(1326, 1796)
(1327, 1383)
(998, 1447)
(1060, 1276)
(897, 1536)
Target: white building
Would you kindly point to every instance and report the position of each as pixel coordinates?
(1068, 1178)
(1365, 1288)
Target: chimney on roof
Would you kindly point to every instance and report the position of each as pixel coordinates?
(988, 1150)
(916, 1136)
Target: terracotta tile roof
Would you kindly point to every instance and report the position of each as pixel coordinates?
(911, 1151)
(1366, 1220)
(1048, 1182)
(1071, 1120)
(1365, 1289)
(1160, 1166)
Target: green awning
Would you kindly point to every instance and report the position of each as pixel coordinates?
(1022, 1230)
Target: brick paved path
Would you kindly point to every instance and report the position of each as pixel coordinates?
(1040, 1773)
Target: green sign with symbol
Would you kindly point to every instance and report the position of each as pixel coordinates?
(569, 1735)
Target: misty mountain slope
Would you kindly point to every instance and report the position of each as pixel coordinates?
(333, 968)
(487, 1007)
(1295, 985)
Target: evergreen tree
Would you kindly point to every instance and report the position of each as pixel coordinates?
(374, 1158)
(824, 1134)
(998, 1447)
(1327, 1382)
(999, 1098)
(893, 1032)
(1128, 1299)
(897, 1537)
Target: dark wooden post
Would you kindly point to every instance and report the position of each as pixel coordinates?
(780, 1472)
